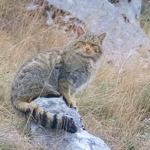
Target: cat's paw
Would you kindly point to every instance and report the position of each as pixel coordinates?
(68, 124)
(76, 108)
(70, 102)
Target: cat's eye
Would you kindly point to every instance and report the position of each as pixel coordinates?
(79, 44)
(95, 48)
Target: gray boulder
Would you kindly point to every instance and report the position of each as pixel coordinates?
(60, 139)
(126, 45)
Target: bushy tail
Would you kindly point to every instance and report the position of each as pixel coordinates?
(46, 119)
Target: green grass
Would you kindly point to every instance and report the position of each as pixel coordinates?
(145, 18)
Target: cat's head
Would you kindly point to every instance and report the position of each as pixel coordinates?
(89, 45)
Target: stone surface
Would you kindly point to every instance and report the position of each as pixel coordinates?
(60, 139)
(126, 44)
(125, 47)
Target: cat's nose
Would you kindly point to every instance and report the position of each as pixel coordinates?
(87, 49)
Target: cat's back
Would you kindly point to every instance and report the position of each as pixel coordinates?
(38, 70)
(42, 61)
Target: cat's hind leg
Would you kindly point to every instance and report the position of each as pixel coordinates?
(46, 119)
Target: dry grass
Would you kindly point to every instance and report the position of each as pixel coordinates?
(113, 107)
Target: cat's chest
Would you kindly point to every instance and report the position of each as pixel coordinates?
(79, 70)
(77, 63)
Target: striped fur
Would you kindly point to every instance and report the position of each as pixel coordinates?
(46, 119)
(54, 74)
(31, 82)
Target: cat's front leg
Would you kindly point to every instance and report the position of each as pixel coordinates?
(64, 89)
(70, 100)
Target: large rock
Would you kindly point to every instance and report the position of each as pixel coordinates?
(125, 45)
(60, 139)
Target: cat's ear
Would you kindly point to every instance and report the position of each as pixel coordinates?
(80, 31)
(102, 36)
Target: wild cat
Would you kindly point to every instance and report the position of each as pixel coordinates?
(57, 73)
